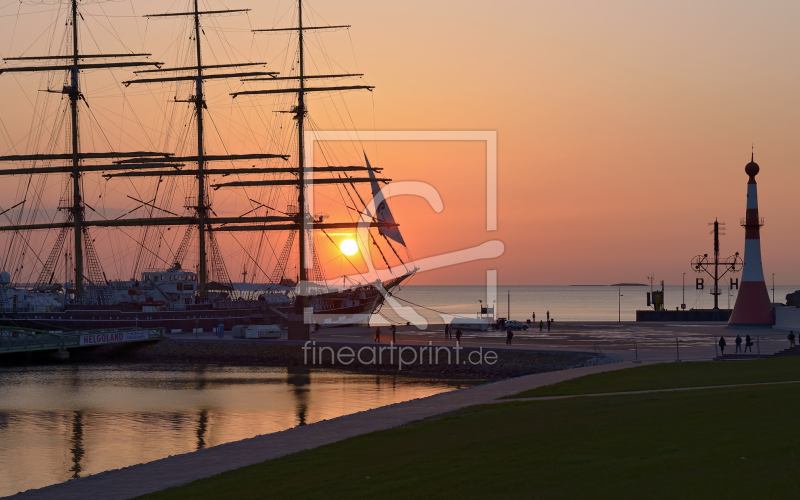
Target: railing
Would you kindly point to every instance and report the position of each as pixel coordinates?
(26, 339)
(745, 223)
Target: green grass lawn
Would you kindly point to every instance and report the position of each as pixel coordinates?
(673, 375)
(719, 443)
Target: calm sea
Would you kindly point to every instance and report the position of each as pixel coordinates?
(565, 303)
(67, 421)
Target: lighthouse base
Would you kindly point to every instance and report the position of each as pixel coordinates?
(753, 307)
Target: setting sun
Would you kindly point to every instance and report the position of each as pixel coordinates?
(349, 247)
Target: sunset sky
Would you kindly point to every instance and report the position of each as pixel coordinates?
(623, 126)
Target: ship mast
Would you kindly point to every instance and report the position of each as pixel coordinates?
(305, 221)
(202, 206)
(301, 158)
(76, 208)
(144, 164)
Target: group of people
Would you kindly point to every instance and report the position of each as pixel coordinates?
(448, 333)
(748, 344)
(541, 322)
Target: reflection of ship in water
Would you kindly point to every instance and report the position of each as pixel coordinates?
(120, 415)
(300, 378)
(76, 444)
(201, 429)
(262, 222)
(201, 378)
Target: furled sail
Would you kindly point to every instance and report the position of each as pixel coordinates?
(383, 213)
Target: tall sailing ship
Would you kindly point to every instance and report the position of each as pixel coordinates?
(189, 287)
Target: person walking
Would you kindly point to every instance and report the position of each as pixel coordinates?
(722, 344)
(447, 331)
(541, 325)
(548, 324)
(509, 336)
(791, 339)
(378, 334)
(394, 332)
(748, 343)
(458, 336)
(534, 316)
(738, 344)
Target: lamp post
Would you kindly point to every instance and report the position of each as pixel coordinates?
(619, 312)
(773, 288)
(683, 302)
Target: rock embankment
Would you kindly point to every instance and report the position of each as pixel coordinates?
(509, 363)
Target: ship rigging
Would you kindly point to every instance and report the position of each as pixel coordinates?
(280, 169)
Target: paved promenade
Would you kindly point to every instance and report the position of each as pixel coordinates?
(181, 469)
(650, 341)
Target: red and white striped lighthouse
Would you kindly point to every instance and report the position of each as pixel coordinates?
(753, 307)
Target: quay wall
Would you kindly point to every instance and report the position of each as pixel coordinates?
(684, 315)
(510, 363)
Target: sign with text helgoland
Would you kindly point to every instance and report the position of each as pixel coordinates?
(113, 337)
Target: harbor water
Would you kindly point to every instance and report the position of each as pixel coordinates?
(60, 422)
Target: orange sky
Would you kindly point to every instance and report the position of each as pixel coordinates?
(623, 127)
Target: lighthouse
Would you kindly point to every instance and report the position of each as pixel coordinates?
(753, 307)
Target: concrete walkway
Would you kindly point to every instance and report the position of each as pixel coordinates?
(181, 469)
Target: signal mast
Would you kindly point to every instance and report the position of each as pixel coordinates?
(731, 264)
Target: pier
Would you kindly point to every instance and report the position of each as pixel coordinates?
(27, 340)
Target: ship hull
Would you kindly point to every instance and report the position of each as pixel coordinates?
(354, 307)
(110, 317)
(337, 309)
